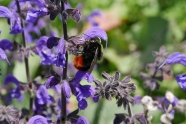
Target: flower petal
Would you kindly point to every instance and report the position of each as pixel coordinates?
(38, 119)
(83, 75)
(3, 55)
(16, 28)
(39, 3)
(59, 60)
(5, 44)
(15, 93)
(82, 120)
(181, 80)
(61, 46)
(52, 41)
(74, 14)
(82, 104)
(176, 58)
(5, 12)
(34, 14)
(95, 32)
(43, 96)
(51, 81)
(66, 89)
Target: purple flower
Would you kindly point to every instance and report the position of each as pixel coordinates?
(47, 57)
(3, 55)
(181, 80)
(95, 32)
(16, 92)
(82, 92)
(137, 99)
(170, 98)
(74, 14)
(56, 81)
(43, 96)
(6, 44)
(83, 75)
(51, 81)
(34, 27)
(90, 18)
(66, 89)
(60, 59)
(15, 24)
(52, 41)
(32, 15)
(82, 120)
(176, 58)
(39, 3)
(38, 119)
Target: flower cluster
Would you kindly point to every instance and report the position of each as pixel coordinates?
(58, 80)
(156, 74)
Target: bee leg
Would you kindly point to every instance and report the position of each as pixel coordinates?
(93, 62)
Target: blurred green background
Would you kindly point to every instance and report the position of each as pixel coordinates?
(135, 29)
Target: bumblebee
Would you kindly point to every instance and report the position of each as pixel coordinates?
(87, 54)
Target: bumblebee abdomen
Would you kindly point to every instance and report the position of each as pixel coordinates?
(81, 64)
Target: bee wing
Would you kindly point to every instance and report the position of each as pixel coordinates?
(93, 62)
(76, 40)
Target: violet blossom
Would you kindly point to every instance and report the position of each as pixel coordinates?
(16, 92)
(38, 119)
(12, 16)
(178, 58)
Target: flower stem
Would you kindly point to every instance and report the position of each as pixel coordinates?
(26, 63)
(63, 97)
(129, 110)
(146, 115)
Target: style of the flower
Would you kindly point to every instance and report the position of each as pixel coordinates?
(12, 16)
(16, 92)
(9, 114)
(38, 119)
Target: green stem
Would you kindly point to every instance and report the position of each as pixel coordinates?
(63, 97)
(97, 113)
(26, 63)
